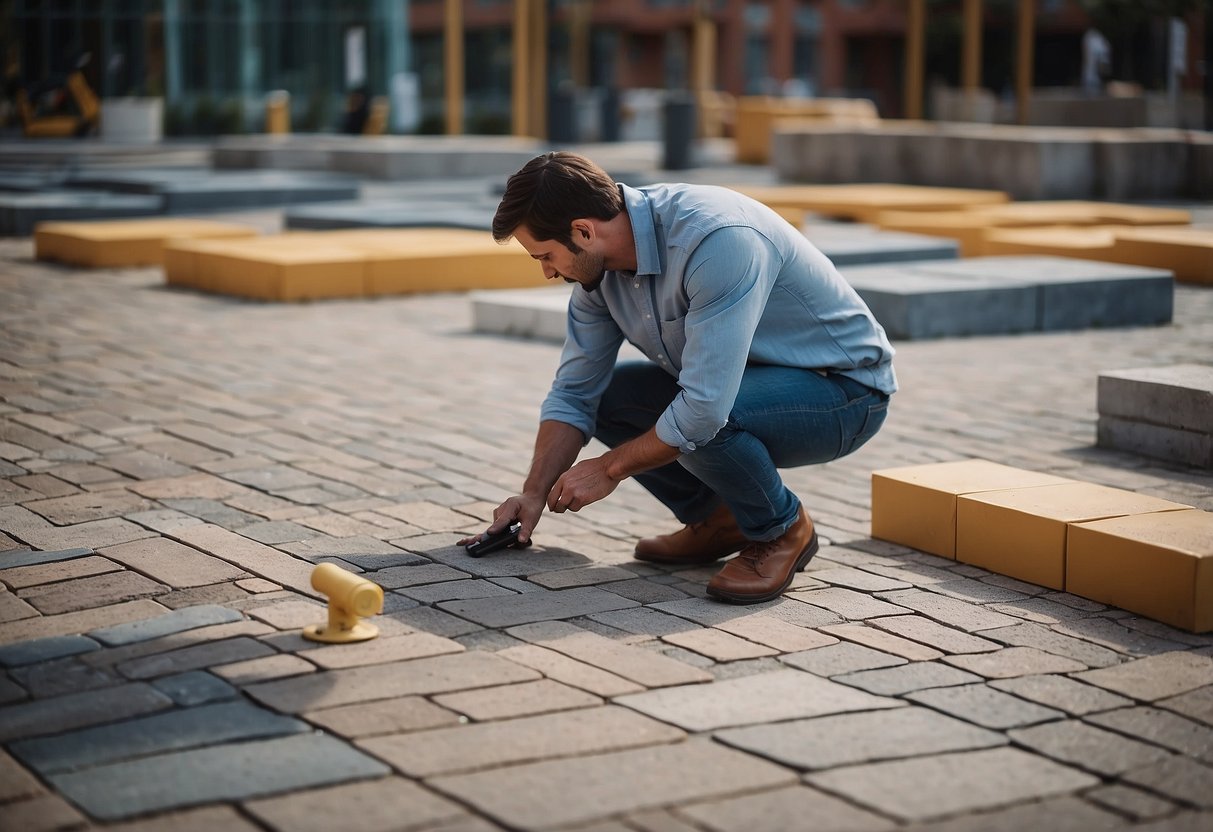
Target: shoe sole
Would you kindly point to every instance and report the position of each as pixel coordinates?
(704, 561)
(801, 562)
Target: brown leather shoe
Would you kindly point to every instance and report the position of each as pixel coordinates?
(696, 544)
(764, 569)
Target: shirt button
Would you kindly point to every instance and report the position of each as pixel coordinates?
(690, 446)
(636, 285)
(662, 357)
(648, 315)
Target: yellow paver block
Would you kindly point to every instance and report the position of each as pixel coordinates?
(865, 202)
(286, 268)
(1097, 243)
(450, 266)
(118, 243)
(1158, 565)
(1188, 252)
(916, 505)
(1022, 532)
(755, 118)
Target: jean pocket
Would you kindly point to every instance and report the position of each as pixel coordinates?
(873, 419)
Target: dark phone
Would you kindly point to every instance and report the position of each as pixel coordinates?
(492, 542)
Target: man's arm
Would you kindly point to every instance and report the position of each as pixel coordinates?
(593, 479)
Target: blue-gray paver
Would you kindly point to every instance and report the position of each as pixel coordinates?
(45, 649)
(195, 687)
(177, 621)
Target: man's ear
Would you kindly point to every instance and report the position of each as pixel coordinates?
(583, 231)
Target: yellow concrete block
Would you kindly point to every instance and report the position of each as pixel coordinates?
(451, 267)
(284, 270)
(966, 227)
(1188, 252)
(1096, 243)
(1158, 565)
(916, 505)
(182, 261)
(1022, 532)
(865, 202)
(124, 243)
(755, 118)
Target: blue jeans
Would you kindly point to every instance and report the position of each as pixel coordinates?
(783, 417)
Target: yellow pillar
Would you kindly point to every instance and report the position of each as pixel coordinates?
(916, 21)
(539, 68)
(520, 96)
(1025, 55)
(453, 53)
(970, 70)
(579, 42)
(703, 62)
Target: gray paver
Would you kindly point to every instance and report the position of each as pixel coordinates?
(570, 671)
(195, 687)
(224, 772)
(766, 697)
(388, 716)
(195, 657)
(779, 810)
(849, 604)
(951, 611)
(172, 563)
(557, 793)
(84, 593)
(927, 787)
(1088, 747)
(177, 621)
(1197, 704)
(844, 657)
(543, 696)
(1179, 779)
(377, 804)
(1015, 661)
(45, 649)
(1154, 677)
(894, 681)
(9, 560)
(1162, 728)
(1058, 814)
(491, 744)
(1136, 803)
(173, 730)
(537, 606)
(1043, 638)
(63, 713)
(868, 636)
(639, 665)
(830, 741)
(1063, 693)
(939, 636)
(985, 706)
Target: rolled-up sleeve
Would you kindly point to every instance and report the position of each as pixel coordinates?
(729, 278)
(592, 341)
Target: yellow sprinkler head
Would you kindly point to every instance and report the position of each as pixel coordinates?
(350, 598)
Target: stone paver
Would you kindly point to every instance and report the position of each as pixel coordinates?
(1088, 747)
(1154, 677)
(1063, 693)
(63, 713)
(1161, 728)
(172, 563)
(765, 697)
(1015, 661)
(928, 787)
(537, 606)
(934, 634)
(386, 803)
(985, 706)
(543, 696)
(782, 809)
(388, 716)
(840, 658)
(894, 681)
(570, 671)
(83, 593)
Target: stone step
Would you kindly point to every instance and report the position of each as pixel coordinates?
(1160, 412)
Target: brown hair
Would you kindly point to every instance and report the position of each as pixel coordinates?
(551, 191)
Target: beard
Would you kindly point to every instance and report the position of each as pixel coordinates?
(588, 269)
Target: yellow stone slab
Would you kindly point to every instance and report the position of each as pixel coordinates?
(865, 202)
(1097, 243)
(1158, 565)
(283, 270)
(123, 243)
(1188, 252)
(451, 267)
(181, 261)
(755, 118)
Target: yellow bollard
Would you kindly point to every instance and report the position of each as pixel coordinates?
(350, 598)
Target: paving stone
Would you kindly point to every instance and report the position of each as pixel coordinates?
(172, 563)
(440, 674)
(569, 671)
(1085, 746)
(879, 640)
(767, 697)
(846, 739)
(97, 590)
(779, 810)
(455, 591)
(280, 531)
(939, 636)
(258, 586)
(927, 787)
(263, 669)
(1197, 704)
(535, 560)
(536, 606)
(643, 621)
(985, 706)
(197, 657)
(396, 577)
(390, 803)
(588, 576)
(712, 613)
(10, 691)
(1126, 800)
(491, 640)
(1161, 728)
(250, 556)
(15, 781)
(1058, 814)
(195, 687)
(213, 512)
(843, 657)
(113, 656)
(1063, 693)
(434, 621)
(43, 813)
(526, 699)
(1041, 610)
(776, 633)
(1115, 636)
(1154, 677)
(381, 650)
(646, 820)
(951, 611)
(849, 604)
(894, 681)
(218, 773)
(1014, 661)
(61, 677)
(81, 508)
(640, 666)
(13, 608)
(78, 622)
(292, 614)
(64, 713)
(174, 730)
(178, 621)
(190, 820)
(1179, 778)
(389, 716)
(44, 649)
(23, 576)
(97, 533)
(10, 560)
(857, 579)
(719, 645)
(524, 739)
(559, 793)
(967, 589)
(1043, 638)
(227, 594)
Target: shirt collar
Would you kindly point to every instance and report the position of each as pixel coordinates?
(648, 256)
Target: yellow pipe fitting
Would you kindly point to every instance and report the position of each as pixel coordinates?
(350, 598)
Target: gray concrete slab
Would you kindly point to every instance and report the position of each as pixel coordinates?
(392, 214)
(20, 213)
(857, 245)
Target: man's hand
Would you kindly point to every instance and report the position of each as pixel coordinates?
(586, 482)
(524, 508)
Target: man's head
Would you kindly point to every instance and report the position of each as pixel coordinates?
(550, 192)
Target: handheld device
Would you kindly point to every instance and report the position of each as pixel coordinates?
(492, 542)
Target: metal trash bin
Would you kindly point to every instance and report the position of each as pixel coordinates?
(678, 131)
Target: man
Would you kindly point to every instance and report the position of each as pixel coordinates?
(760, 356)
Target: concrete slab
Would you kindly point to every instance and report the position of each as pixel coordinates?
(21, 213)
(391, 214)
(860, 244)
(200, 190)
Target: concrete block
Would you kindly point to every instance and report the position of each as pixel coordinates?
(122, 243)
(1022, 532)
(1188, 252)
(284, 269)
(202, 189)
(480, 265)
(852, 245)
(912, 304)
(391, 214)
(20, 213)
(1200, 164)
(525, 313)
(1178, 396)
(1077, 294)
(864, 202)
(1142, 163)
(44, 650)
(1158, 565)
(1155, 441)
(916, 505)
(1084, 243)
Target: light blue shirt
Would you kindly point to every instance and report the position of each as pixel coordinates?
(721, 281)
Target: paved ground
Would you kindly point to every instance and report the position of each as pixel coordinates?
(175, 464)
